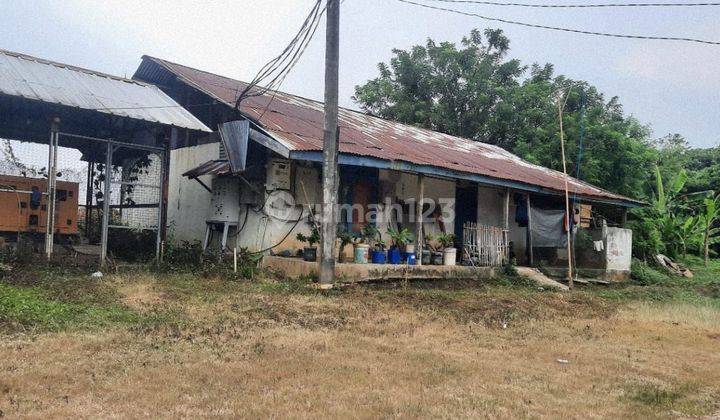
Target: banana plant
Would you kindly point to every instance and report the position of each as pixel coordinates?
(709, 215)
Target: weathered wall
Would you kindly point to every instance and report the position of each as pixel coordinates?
(517, 235)
(188, 201)
(491, 206)
(618, 245)
(404, 186)
(261, 230)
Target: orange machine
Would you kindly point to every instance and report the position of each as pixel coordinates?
(23, 205)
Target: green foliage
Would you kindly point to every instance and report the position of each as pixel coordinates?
(311, 239)
(645, 275)
(188, 257)
(31, 308)
(474, 91)
(401, 238)
(447, 240)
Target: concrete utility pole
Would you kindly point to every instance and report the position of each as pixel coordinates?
(330, 146)
(561, 106)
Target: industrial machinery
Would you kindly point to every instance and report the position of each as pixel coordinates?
(23, 205)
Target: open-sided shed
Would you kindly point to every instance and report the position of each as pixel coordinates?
(110, 120)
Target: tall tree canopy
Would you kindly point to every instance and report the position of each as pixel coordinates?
(475, 91)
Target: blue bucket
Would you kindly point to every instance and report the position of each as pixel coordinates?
(411, 258)
(378, 257)
(394, 256)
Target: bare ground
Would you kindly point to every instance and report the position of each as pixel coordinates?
(463, 350)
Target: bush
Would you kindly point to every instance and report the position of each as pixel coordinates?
(189, 257)
(646, 275)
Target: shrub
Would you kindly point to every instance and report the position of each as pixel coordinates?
(646, 275)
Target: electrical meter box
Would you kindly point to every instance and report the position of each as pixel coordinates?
(225, 201)
(278, 175)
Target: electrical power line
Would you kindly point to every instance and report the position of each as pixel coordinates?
(556, 28)
(579, 6)
(274, 72)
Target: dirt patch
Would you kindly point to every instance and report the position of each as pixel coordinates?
(141, 296)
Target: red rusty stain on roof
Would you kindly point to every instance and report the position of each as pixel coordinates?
(297, 123)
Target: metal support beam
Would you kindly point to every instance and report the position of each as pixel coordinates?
(163, 202)
(89, 197)
(51, 184)
(330, 146)
(419, 217)
(106, 204)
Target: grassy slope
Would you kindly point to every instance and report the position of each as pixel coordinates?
(142, 344)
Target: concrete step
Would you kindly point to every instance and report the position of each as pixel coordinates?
(540, 278)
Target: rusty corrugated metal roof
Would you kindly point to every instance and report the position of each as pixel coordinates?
(212, 167)
(47, 81)
(298, 123)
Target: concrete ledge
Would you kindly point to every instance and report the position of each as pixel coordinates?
(352, 273)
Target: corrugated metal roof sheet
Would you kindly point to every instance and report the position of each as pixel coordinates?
(211, 167)
(298, 123)
(47, 81)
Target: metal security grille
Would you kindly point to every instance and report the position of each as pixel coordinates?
(485, 245)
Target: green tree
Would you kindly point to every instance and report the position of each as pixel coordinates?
(708, 217)
(474, 91)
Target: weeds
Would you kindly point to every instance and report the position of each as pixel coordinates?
(31, 308)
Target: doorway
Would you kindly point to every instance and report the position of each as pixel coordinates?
(466, 207)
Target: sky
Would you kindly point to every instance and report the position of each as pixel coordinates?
(674, 87)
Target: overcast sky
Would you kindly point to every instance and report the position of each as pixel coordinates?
(674, 87)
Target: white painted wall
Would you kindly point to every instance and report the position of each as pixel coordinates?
(619, 248)
(262, 231)
(188, 201)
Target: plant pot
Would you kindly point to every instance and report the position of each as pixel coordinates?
(449, 256)
(361, 253)
(426, 257)
(394, 256)
(437, 258)
(378, 257)
(410, 258)
(310, 253)
(409, 248)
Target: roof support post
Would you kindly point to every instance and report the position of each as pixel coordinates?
(506, 226)
(330, 147)
(106, 204)
(51, 184)
(419, 217)
(529, 231)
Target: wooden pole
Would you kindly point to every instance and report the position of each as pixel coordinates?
(561, 106)
(529, 230)
(419, 217)
(506, 226)
(330, 146)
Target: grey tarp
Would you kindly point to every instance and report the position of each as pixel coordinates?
(547, 228)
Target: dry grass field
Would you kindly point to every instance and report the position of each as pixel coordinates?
(149, 345)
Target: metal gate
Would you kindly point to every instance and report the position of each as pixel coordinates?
(91, 196)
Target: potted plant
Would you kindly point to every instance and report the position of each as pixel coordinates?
(447, 241)
(346, 238)
(400, 239)
(310, 251)
(429, 249)
(372, 236)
